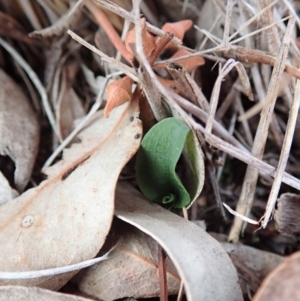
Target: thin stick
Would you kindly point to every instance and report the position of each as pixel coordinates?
(35, 80)
(237, 152)
(216, 91)
(203, 116)
(163, 286)
(272, 32)
(209, 30)
(284, 155)
(126, 15)
(152, 88)
(268, 27)
(30, 14)
(64, 22)
(229, 7)
(256, 56)
(80, 126)
(127, 70)
(198, 53)
(248, 22)
(54, 271)
(189, 87)
(159, 47)
(244, 156)
(112, 34)
(214, 183)
(292, 10)
(242, 217)
(179, 75)
(248, 189)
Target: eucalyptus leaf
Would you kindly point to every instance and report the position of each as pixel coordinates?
(156, 162)
(204, 267)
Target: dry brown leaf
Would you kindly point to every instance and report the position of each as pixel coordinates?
(66, 218)
(19, 129)
(17, 293)
(203, 265)
(283, 283)
(68, 109)
(130, 271)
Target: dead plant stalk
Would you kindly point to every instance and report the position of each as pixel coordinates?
(248, 189)
(283, 156)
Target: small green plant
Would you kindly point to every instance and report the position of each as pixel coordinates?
(156, 162)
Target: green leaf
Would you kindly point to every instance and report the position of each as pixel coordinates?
(156, 162)
(193, 178)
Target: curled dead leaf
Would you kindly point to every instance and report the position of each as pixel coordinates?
(118, 92)
(283, 282)
(197, 257)
(178, 28)
(19, 129)
(190, 63)
(132, 268)
(253, 265)
(68, 108)
(147, 38)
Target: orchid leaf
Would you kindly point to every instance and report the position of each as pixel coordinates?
(156, 162)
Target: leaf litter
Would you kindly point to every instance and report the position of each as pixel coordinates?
(132, 268)
(249, 51)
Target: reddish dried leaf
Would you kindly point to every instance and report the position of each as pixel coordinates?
(189, 64)
(147, 38)
(178, 29)
(117, 93)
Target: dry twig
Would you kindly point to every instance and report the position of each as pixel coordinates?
(248, 188)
